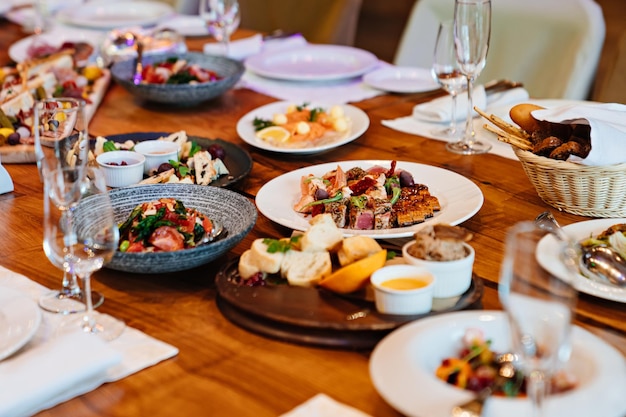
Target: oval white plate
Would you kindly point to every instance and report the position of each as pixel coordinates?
(459, 197)
(402, 368)
(114, 14)
(56, 37)
(313, 63)
(245, 128)
(549, 258)
(401, 80)
(20, 318)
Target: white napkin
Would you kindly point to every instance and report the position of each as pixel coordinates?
(186, 25)
(64, 367)
(322, 405)
(243, 48)
(439, 109)
(608, 129)
(6, 183)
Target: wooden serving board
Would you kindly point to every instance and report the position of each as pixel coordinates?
(25, 154)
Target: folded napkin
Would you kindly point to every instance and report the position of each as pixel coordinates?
(67, 366)
(440, 109)
(62, 365)
(322, 405)
(243, 48)
(608, 129)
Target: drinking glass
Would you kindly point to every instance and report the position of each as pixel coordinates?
(222, 18)
(472, 30)
(539, 308)
(446, 72)
(61, 141)
(83, 242)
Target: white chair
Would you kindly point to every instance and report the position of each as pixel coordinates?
(552, 46)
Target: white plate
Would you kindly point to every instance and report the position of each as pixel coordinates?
(358, 119)
(313, 63)
(106, 14)
(459, 197)
(401, 80)
(402, 368)
(56, 37)
(549, 258)
(20, 318)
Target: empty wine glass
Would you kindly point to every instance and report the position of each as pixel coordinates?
(62, 141)
(472, 30)
(539, 308)
(222, 18)
(446, 72)
(86, 242)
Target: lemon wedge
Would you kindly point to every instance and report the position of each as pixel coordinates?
(274, 134)
(354, 276)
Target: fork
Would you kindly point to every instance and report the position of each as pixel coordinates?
(474, 407)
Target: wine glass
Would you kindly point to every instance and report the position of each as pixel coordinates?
(83, 242)
(472, 30)
(539, 308)
(222, 18)
(62, 141)
(446, 72)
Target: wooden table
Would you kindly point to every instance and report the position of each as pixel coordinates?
(223, 370)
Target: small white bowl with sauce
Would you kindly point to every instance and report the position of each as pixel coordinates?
(156, 153)
(403, 289)
(121, 168)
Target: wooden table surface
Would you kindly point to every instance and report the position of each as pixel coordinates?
(222, 369)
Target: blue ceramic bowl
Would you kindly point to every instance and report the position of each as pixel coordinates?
(229, 70)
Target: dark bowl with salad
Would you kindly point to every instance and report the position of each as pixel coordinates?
(179, 79)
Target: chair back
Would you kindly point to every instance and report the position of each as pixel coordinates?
(552, 46)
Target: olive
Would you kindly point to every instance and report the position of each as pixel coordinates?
(406, 179)
(165, 166)
(13, 138)
(321, 194)
(217, 151)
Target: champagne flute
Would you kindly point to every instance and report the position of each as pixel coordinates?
(446, 72)
(539, 308)
(222, 18)
(472, 30)
(85, 244)
(62, 141)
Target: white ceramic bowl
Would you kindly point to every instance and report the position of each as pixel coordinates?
(156, 153)
(453, 277)
(117, 175)
(411, 300)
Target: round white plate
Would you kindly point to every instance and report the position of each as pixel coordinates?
(20, 318)
(107, 14)
(313, 63)
(245, 128)
(56, 37)
(402, 368)
(549, 258)
(401, 79)
(459, 197)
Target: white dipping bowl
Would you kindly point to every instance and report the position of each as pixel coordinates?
(118, 175)
(156, 152)
(453, 277)
(413, 300)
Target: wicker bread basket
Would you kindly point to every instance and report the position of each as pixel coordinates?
(593, 191)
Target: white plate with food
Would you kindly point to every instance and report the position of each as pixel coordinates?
(549, 258)
(106, 14)
(327, 137)
(403, 364)
(20, 318)
(37, 45)
(458, 197)
(401, 79)
(313, 63)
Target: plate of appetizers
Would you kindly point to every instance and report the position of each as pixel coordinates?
(20, 318)
(548, 256)
(84, 43)
(445, 197)
(409, 357)
(306, 128)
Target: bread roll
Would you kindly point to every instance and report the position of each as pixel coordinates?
(305, 269)
(521, 115)
(323, 234)
(258, 259)
(357, 247)
(247, 267)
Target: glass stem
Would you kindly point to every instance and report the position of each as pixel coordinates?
(452, 127)
(89, 321)
(469, 122)
(537, 392)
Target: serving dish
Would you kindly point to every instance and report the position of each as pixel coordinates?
(18, 51)
(312, 63)
(401, 79)
(406, 360)
(180, 95)
(235, 212)
(20, 317)
(104, 14)
(459, 197)
(245, 128)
